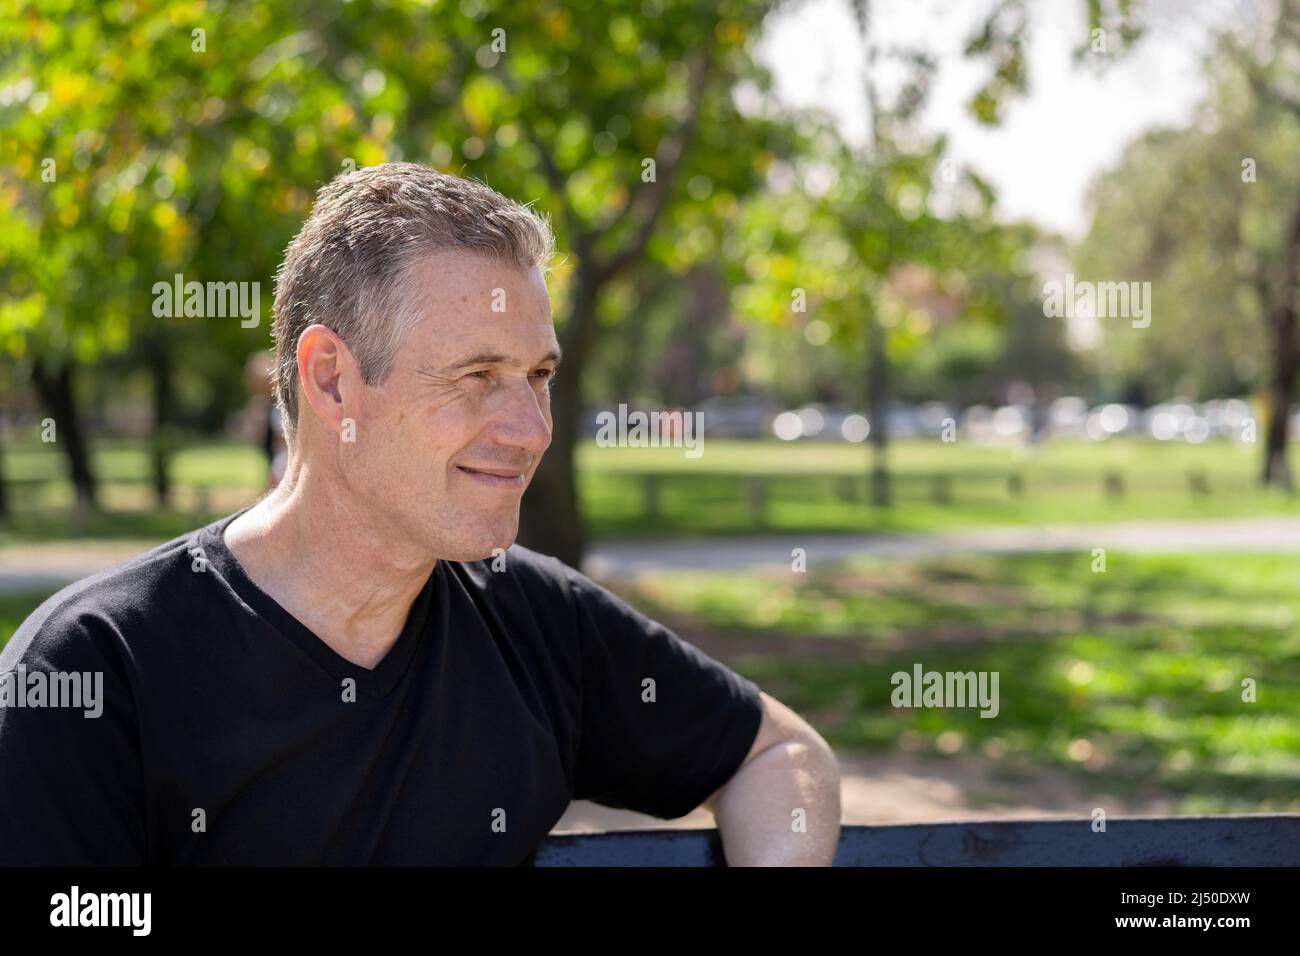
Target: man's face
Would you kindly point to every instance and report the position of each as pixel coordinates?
(447, 444)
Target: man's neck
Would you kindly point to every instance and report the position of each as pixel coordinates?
(303, 546)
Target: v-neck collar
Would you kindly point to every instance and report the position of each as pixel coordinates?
(376, 682)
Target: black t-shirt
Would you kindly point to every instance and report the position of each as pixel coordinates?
(227, 733)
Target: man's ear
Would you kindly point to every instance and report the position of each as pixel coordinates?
(328, 374)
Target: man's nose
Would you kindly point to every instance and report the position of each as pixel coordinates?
(521, 417)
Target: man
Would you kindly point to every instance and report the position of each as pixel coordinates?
(360, 668)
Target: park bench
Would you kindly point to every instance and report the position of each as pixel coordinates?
(1226, 840)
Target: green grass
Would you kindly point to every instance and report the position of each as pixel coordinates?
(1132, 677)
(809, 487)
(14, 608)
(820, 488)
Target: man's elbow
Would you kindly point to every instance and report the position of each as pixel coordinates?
(786, 745)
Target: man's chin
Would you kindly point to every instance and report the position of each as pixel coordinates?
(489, 544)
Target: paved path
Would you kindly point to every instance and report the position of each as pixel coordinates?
(47, 566)
(623, 558)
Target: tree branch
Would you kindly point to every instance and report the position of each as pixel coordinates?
(651, 201)
(555, 177)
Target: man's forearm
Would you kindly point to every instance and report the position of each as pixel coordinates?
(783, 807)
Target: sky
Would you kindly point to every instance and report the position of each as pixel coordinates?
(1072, 124)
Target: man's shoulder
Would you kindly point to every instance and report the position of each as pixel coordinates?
(520, 575)
(103, 606)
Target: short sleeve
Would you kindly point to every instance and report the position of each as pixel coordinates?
(663, 725)
(71, 787)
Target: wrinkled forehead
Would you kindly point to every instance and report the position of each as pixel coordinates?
(477, 278)
(466, 301)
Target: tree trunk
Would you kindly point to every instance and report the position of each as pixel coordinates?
(877, 394)
(687, 356)
(629, 347)
(1282, 322)
(4, 488)
(549, 518)
(1276, 470)
(54, 388)
(160, 444)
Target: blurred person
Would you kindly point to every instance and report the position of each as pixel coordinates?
(263, 417)
(362, 667)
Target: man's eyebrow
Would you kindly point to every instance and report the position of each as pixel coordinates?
(496, 358)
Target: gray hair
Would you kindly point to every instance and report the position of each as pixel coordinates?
(347, 268)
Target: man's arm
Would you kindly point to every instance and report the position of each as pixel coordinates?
(789, 768)
(71, 778)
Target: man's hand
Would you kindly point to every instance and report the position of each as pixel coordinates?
(782, 807)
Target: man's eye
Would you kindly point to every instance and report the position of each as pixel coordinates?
(545, 373)
(485, 376)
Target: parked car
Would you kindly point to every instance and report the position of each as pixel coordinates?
(738, 416)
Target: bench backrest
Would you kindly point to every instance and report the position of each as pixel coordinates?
(1244, 840)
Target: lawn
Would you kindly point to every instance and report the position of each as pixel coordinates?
(1132, 677)
(14, 608)
(736, 487)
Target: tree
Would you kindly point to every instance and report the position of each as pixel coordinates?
(866, 215)
(1210, 214)
(1273, 80)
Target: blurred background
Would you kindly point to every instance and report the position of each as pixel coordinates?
(841, 232)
